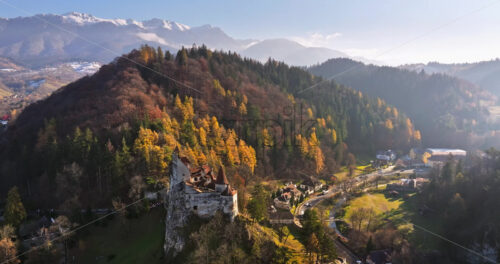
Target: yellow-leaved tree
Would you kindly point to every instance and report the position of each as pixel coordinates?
(232, 149)
(247, 155)
(334, 136)
(154, 157)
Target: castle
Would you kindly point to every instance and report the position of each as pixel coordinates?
(195, 190)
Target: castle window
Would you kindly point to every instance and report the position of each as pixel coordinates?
(195, 207)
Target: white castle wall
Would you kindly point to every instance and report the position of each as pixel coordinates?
(183, 200)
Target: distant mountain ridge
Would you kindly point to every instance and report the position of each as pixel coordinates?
(485, 74)
(290, 52)
(44, 39)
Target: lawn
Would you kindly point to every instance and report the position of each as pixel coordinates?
(292, 242)
(344, 172)
(403, 213)
(376, 201)
(137, 241)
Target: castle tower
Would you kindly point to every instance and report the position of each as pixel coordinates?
(180, 171)
(221, 183)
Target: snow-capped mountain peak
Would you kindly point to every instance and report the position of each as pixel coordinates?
(156, 23)
(85, 19)
(42, 44)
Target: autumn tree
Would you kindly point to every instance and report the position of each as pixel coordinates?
(312, 246)
(7, 232)
(232, 154)
(154, 157)
(8, 251)
(247, 155)
(334, 136)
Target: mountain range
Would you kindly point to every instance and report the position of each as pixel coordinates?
(485, 74)
(47, 38)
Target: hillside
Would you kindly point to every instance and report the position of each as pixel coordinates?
(4, 91)
(21, 86)
(485, 74)
(7, 65)
(235, 100)
(449, 111)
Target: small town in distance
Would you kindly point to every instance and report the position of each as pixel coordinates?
(408, 174)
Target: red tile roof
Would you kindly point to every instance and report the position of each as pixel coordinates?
(185, 161)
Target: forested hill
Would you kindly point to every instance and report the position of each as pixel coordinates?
(106, 133)
(449, 111)
(485, 74)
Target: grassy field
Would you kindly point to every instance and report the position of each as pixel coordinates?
(344, 172)
(376, 201)
(137, 241)
(292, 242)
(401, 212)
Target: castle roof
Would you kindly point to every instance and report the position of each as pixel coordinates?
(221, 177)
(185, 161)
(229, 191)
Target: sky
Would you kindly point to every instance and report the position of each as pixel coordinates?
(389, 31)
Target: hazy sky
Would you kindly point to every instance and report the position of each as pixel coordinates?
(359, 27)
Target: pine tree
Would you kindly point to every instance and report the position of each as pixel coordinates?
(14, 208)
(168, 56)
(369, 246)
(182, 57)
(159, 54)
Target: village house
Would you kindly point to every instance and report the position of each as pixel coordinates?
(4, 120)
(285, 195)
(276, 216)
(439, 156)
(407, 185)
(432, 157)
(379, 257)
(311, 185)
(415, 158)
(385, 157)
(283, 201)
(292, 189)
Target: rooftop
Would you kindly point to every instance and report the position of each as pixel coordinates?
(446, 151)
(221, 177)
